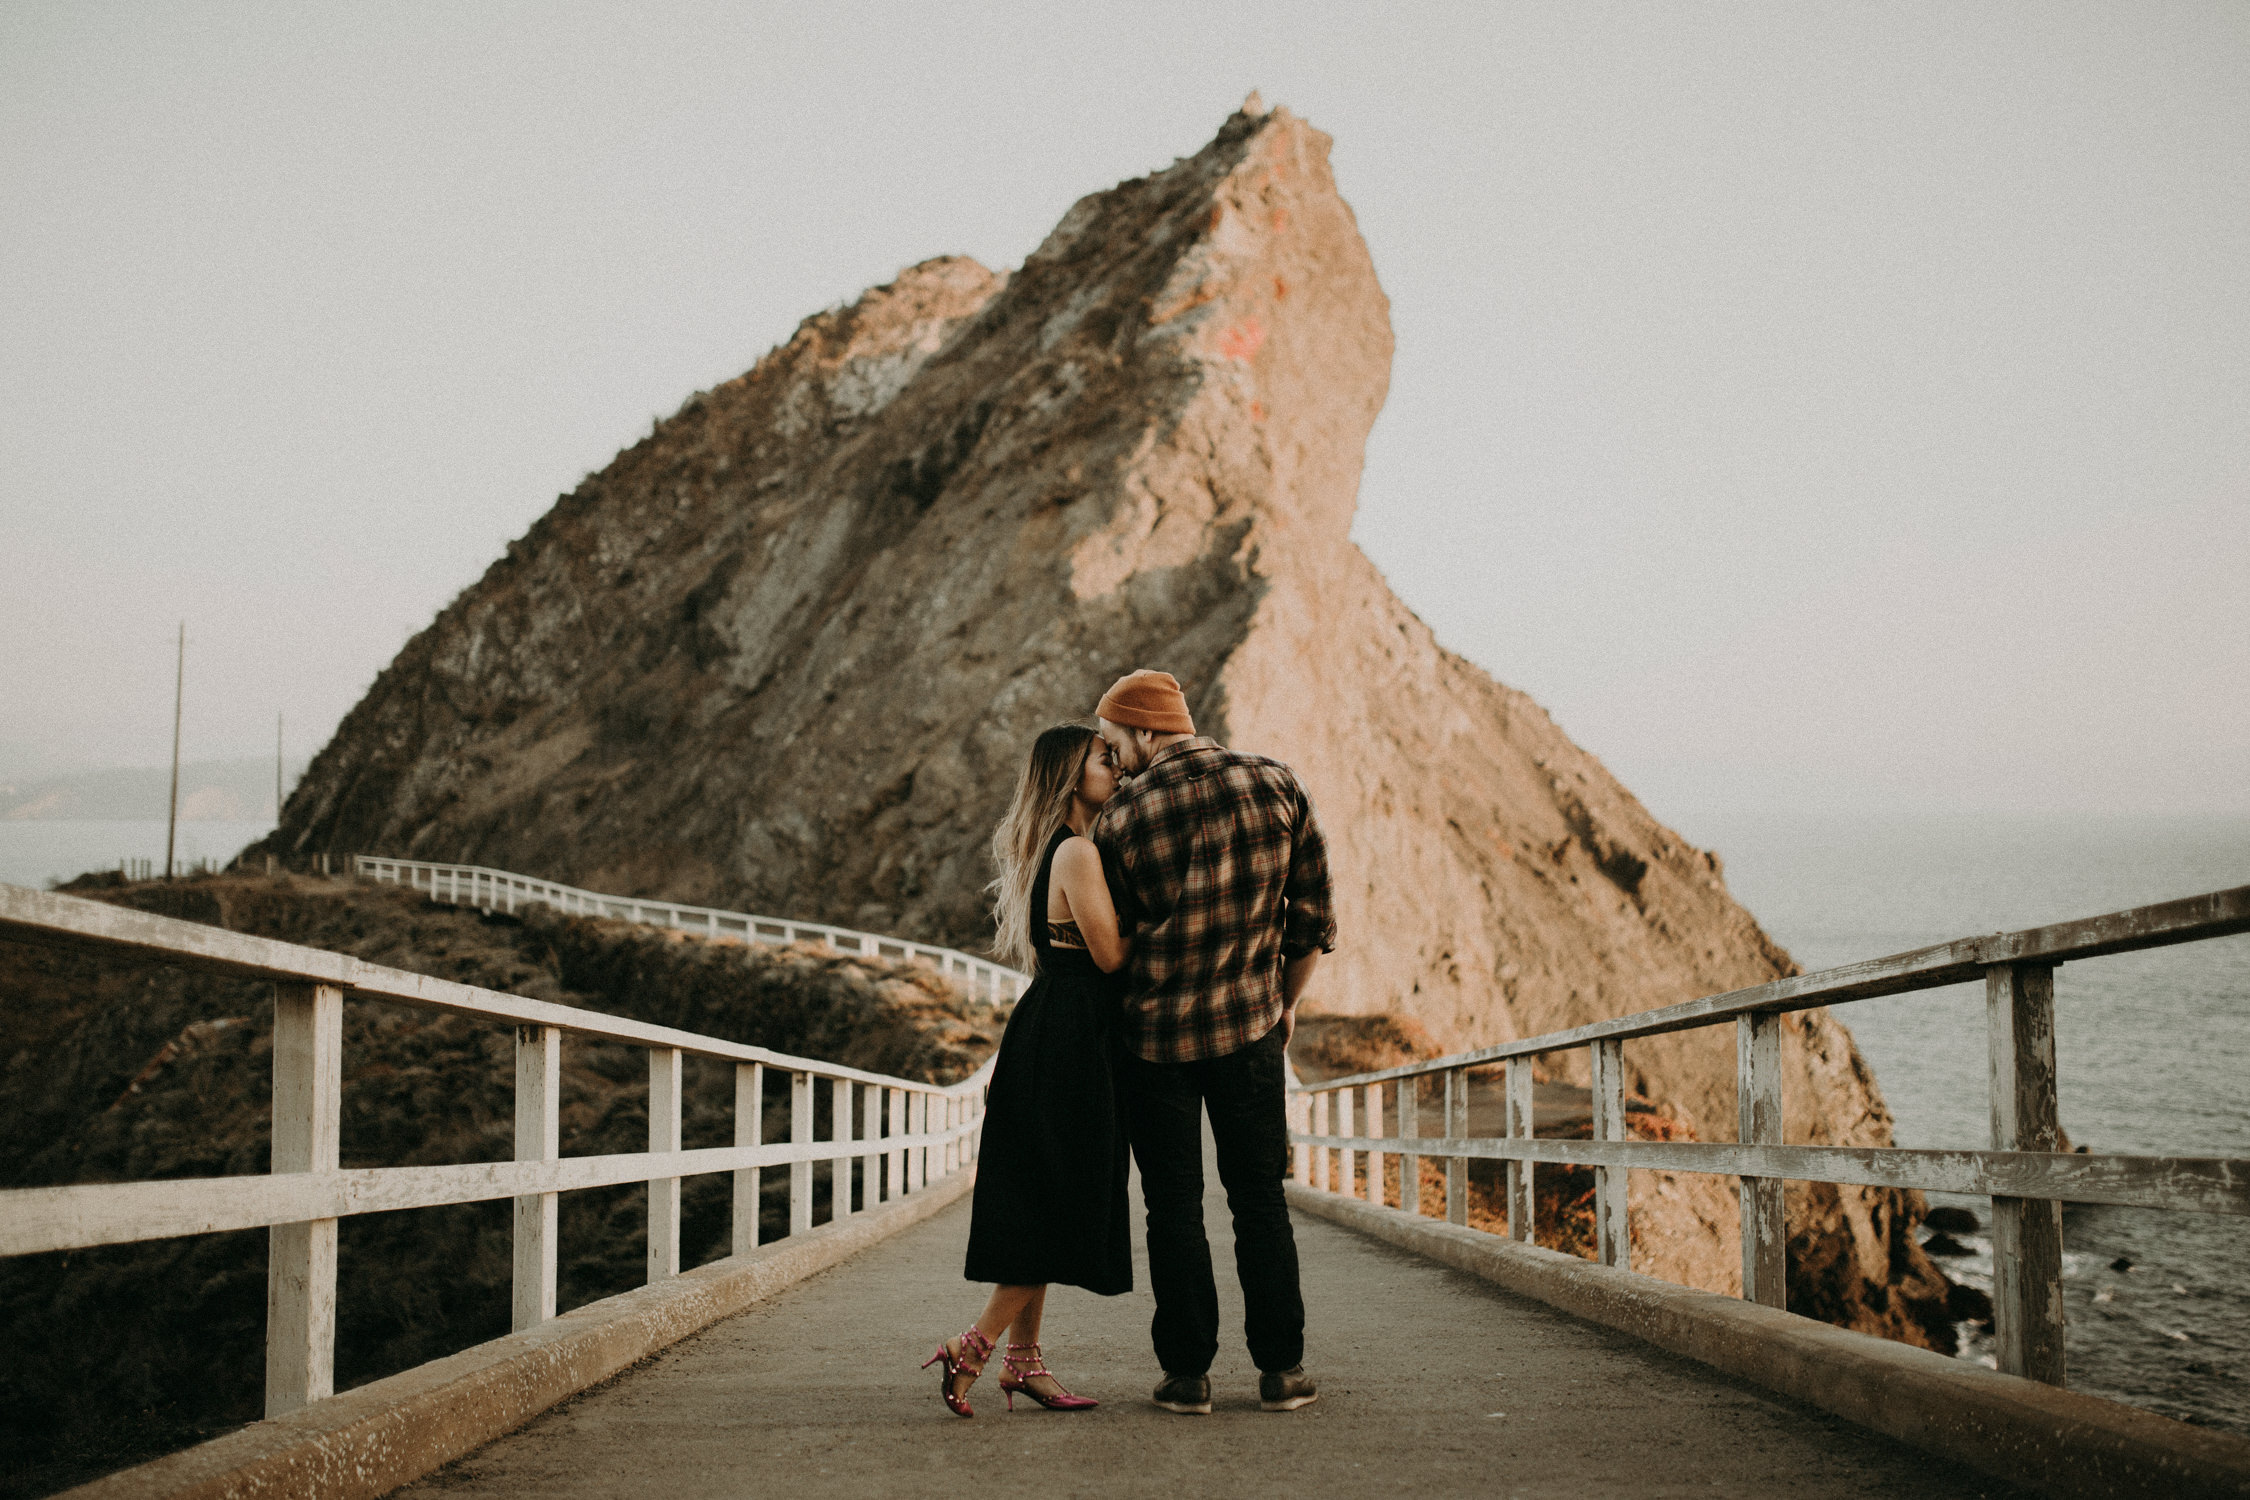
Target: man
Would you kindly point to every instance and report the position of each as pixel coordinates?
(1218, 864)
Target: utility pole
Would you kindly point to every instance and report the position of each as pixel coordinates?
(277, 770)
(179, 685)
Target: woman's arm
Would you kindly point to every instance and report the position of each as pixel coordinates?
(1078, 877)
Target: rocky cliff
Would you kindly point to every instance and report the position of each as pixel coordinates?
(786, 653)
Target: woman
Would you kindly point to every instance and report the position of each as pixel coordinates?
(1050, 1194)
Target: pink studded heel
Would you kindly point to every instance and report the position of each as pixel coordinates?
(973, 1345)
(1016, 1374)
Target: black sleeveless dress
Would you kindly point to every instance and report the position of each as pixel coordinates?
(1050, 1194)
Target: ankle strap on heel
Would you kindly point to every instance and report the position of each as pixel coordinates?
(1024, 1369)
(974, 1345)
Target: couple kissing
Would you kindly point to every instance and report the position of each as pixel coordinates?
(1171, 899)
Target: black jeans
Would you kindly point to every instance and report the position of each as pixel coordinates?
(1244, 1094)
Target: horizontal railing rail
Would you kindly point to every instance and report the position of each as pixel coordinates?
(887, 1136)
(2192, 1184)
(1337, 1123)
(500, 890)
(2219, 914)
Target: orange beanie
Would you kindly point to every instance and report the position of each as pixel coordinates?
(1147, 700)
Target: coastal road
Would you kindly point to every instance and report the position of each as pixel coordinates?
(1432, 1383)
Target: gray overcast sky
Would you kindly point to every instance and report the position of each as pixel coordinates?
(1814, 406)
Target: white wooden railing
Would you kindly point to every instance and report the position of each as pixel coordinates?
(1338, 1123)
(498, 890)
(903, 1134)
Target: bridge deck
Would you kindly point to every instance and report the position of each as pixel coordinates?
(1432, 1382)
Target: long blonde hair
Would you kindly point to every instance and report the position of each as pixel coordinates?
(1042, 805)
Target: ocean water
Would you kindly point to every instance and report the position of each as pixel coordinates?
(35, 851)
(2152, 1049)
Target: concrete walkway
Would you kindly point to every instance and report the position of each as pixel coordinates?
(1432, 1382)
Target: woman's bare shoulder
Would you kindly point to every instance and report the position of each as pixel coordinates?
(1077, 856)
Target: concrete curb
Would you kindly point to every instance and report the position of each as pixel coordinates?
(370, 1440)
(2058, 1442)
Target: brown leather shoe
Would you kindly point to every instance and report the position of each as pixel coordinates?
(1286, 1390)
(1189, 1395)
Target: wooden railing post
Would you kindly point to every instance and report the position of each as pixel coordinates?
(1375, 1158)
(918, 1160)
(1324, 1159)
(1457, 1126)
(839, 1131)
(1517, 1124)
(949, 1157)
(2027, 1297)
(538, 1138)
(913, 1155)
(308, 1076)
(937, 1107)
(1347, 1159)
(870, 1131)
(749, 1130)
(1765, 1229)
(1300, 1121)
(663, 1135)
(896, 1166)
(800, 1134)
(1410, 1126)
(1612, 1233)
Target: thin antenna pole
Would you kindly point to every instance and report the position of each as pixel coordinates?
(179, 687)
(277, 769)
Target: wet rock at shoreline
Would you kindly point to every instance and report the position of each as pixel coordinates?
(1951, 1220)
(1968, 1304)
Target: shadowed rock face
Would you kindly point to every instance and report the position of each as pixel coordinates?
(787, 653)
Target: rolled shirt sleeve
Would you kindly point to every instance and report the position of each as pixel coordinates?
(1310, 923)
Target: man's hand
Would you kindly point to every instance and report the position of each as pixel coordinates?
(1296, 973)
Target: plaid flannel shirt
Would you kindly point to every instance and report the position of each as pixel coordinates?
(1219, 869)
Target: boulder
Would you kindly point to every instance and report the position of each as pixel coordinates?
(1951, 1220)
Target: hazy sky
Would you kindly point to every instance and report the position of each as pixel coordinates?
(1813, 406)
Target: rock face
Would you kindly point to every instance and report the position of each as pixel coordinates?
(786, 654)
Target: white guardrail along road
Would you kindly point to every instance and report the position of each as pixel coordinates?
(1337, 1124)
(903, 1134)
(498, 890)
